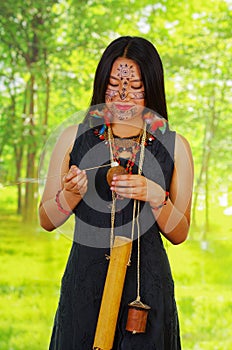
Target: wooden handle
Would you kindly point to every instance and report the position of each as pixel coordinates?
(108, 315)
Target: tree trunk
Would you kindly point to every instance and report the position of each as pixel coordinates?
(29, 214)
(199, 182)
(18, 159)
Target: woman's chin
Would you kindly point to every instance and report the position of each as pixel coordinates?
(125, 111)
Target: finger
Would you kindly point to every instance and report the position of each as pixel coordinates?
(128, 194)
(74, 175)
(132, 192)
(123, 177)
(80, 181)
(75, 184)
(83, 188)
(125, 190)
(73, 171)
(130, 177)
(132, 182)
(71, 174)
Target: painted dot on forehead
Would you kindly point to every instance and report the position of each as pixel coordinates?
(125, 71)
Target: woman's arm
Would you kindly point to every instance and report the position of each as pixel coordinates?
(64, 187)
(174, 217)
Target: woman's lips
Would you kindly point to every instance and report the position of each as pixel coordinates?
(123, 107)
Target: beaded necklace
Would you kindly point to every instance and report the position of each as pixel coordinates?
(119, 145)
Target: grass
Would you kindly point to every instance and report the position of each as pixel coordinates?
(203, 293)
(32, 263)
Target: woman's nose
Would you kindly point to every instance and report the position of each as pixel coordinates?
(124, 96)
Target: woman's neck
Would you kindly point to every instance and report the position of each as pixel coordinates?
(127, 129)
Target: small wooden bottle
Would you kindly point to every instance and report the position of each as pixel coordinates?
(137, 317)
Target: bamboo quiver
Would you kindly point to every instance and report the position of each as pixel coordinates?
(108, 314)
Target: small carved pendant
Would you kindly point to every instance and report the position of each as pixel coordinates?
(114, 170)
(137, 317)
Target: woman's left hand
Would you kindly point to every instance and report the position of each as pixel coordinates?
(138, 187)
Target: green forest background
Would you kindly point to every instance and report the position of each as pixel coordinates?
(49, 52)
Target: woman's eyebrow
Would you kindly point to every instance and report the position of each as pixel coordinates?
(113, 77)
(136, 81)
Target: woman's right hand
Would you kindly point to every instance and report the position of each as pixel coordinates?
(75, 182)
(68, 190)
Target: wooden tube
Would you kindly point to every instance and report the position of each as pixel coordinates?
(108, 315)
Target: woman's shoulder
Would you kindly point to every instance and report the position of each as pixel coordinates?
(182, 148)
(66, 139)
(70, 131)
(69, 134)
(181, 142)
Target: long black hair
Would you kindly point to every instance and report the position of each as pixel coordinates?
(146, 56)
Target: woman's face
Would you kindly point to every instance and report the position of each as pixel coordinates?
(125, 88)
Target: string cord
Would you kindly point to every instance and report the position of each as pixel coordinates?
(35, 180)
(141, 161)
(136, 204)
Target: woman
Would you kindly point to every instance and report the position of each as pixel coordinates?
(159, 176)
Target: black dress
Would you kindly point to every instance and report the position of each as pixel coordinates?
(85, 273)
